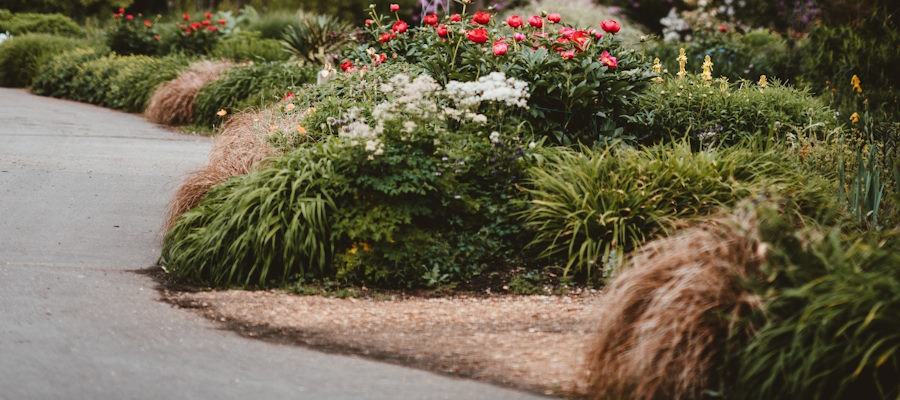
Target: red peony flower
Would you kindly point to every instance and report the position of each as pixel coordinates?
(536, 21)
(346, 65)
(482, 18)
(129, 17)
(196, 25)
(608, 60)
(442, 31)
(568, 55)
(121, 11)
(500, 47)
(723, 28)
(554, 18)
(223, 21)
(381, 58)
(147, 23)
(580, 38)
(213, 28)
(395, 7)
(519, 37)
(385, 37)
(400, 26)
(186, 16)
(368, 22)
(455, 18)
(206, 22)
(515, 22)
(208, 15)
(479, 35)
(566, 32)
(610, 26)
(430, 19)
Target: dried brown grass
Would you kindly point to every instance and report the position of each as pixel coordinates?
(173, 102)
(241, 146)
(666, 320)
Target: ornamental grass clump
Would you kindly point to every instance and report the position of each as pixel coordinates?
(587, 209)
(173, 102)
(667, 321)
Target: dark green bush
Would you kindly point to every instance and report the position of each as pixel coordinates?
(250, 86)
(829, 326)
(79, 8)
(22, 56)
(716, 112)
(57, 75)
(588, 209)
(735, 55)
(93, 84)
(22, 23)
(249, 46)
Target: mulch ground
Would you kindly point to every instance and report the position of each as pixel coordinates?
(535, 343)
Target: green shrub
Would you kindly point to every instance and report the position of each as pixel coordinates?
(250, 86)
(132, 85)
(735, 55)
(721, 113)
(80, 8)
(57, 75)
(249, 46)
(22, 56)
(587, 210)
(316, 38)
(414, 206)
(829, 326)
(93, 84)
(128, 35)
(22, 23)
(270, 25)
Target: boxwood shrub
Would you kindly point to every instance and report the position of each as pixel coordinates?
(22, 56)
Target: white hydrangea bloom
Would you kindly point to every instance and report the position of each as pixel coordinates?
(495, 87)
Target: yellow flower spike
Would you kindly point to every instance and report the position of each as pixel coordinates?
(366, 247)
(222, 113)
(763, 83)
(353, 249)
(682, 61)
(854, 84)
(707, 70)
(657, 69)
(289, 107)
(301, 130)
(854, 118)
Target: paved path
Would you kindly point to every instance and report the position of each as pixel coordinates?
(82, 197)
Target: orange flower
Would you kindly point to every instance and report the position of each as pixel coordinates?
(222, 113)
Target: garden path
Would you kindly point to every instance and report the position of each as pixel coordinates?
(82, 197)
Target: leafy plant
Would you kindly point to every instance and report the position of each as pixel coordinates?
(57, 75)
(249, 46)
(316, 38)
(22, 56)
(22, 23)
(138, 77)
(866, 189)
(128, 35)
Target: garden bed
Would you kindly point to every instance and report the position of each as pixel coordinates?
(529, 342)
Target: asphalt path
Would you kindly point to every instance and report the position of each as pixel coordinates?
(83, 192)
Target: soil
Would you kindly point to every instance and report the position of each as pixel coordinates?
(536, 343)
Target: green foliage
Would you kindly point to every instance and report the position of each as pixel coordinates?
(829, 326)
(78, 8)
(866, 189)
(316, 38)
(734, 55)
(269, 25)
(22, 56)
(250, 86)
(57, 75)
(249, 46)
(587, 209)
(721, 113)
(22, 23)
(92, 83)
(132, 36)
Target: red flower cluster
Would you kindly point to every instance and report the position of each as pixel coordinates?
(199, 25)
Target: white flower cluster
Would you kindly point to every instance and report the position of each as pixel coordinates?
(495, 87)
(411, 97)
(358, 131)
(4, 36)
